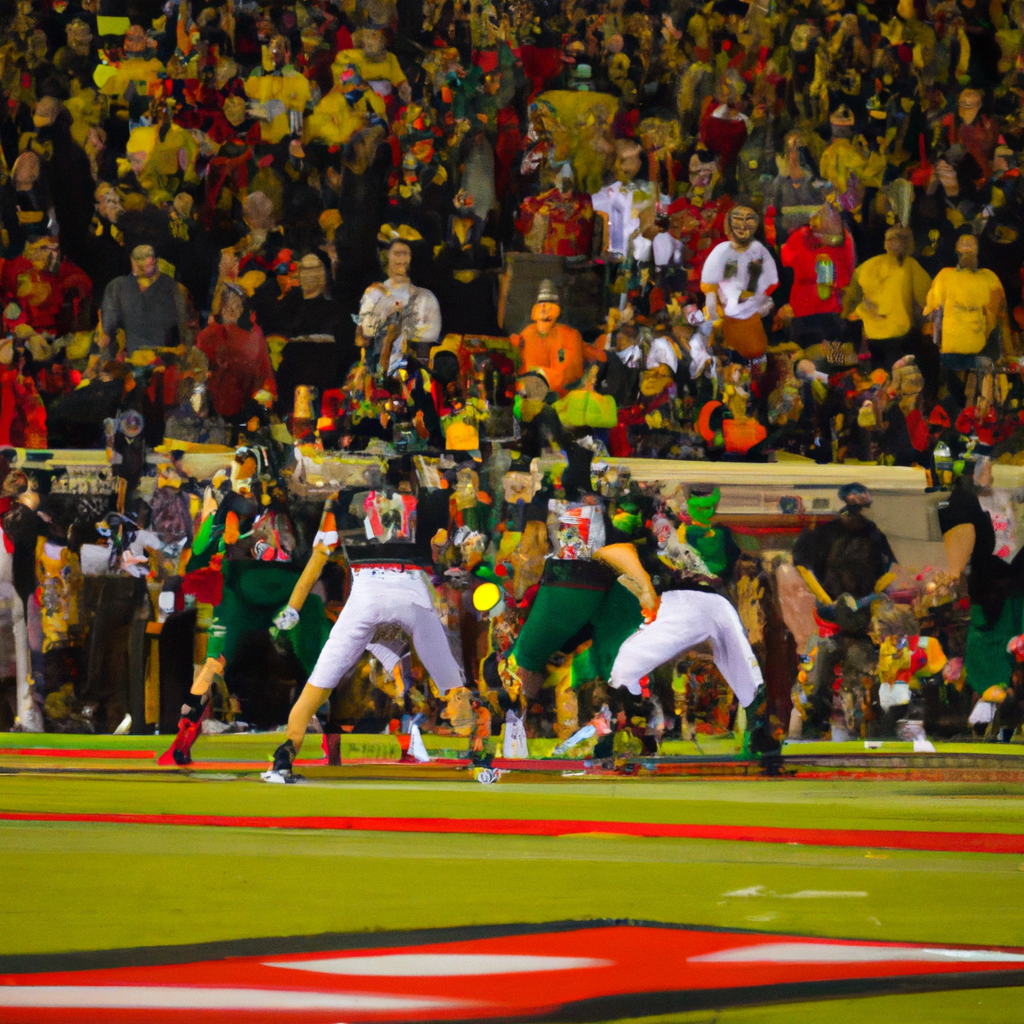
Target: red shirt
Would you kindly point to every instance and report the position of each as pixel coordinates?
(820, 272)
(723, 137)
(239, 365)
(40, 293)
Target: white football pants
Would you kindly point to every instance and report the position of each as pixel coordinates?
(687, 618)
(380, 596)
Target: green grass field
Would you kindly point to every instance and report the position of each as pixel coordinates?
(80, 886)
(89, 886)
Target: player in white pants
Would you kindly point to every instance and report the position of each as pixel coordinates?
(386, 595)
(381, 593)
(687, 618)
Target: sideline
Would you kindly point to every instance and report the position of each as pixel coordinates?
(943, 842)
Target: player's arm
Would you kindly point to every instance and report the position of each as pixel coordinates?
(324, 543)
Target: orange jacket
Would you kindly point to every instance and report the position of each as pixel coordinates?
(559, 353)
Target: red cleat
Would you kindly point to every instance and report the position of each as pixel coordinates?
(180, 751)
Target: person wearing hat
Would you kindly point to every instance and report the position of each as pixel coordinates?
(737, 280)
(844, 157)
(548, 347)
(150, 307)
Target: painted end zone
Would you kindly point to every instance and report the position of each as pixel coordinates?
(951, 842)
(568, 971)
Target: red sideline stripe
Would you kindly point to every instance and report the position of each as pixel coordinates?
(138, 755)
(952, 842)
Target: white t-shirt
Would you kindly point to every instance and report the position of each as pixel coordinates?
(667, 250)
(616, 201)
(621, 203)
(662, 351)
(731, 272)
(420, 316)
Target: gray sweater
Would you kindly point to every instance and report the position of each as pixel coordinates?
(149, 317)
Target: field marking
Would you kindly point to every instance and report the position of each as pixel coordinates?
(944, 842)
(439, 965)
(840, 953)
(189, 997)
(803, 894)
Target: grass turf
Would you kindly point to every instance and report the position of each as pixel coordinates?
(87, 886)
(260, 746)
(984, 807)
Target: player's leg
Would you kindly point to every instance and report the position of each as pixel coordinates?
(344, 647)
(674, 630)
(557, 615)
(309, 702)
(687, 618)
(736, 661)
(415, 613)
(614, 623)
(729, 646)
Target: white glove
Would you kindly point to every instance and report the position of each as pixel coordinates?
(287, 618)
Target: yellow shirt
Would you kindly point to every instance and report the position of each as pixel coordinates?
(843, 158)
(973, 305)
(334, 121)
(386, 70)
(290, 88)
(893, 291)
(143, 72)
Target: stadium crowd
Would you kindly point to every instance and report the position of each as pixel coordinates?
(440, 262)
